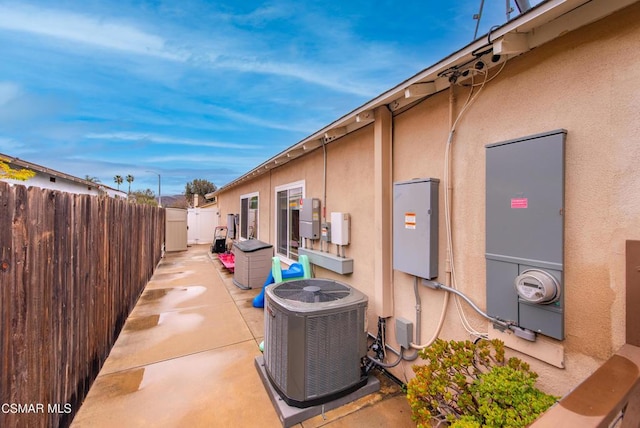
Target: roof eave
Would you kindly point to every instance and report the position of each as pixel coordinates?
(549, 19)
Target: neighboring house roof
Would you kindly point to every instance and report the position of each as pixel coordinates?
(541, 24)
(209, 204)
(17, 162)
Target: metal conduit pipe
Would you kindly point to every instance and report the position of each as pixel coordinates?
(433, 338)
(448, 188)
(418, 308)
(439, 286)
(324, 190)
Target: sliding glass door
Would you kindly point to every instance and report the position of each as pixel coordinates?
(288, 199)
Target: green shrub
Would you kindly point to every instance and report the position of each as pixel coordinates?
(471, 385)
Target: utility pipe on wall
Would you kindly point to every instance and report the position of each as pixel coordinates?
(445, 303)
(450, 284)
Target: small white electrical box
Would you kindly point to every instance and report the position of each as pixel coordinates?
(340, 228)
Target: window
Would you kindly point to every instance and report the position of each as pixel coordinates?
(288, 218)
(249, 216)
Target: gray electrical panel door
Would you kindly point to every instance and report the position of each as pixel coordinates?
(310, 218)
(415, 227)
(525, 229)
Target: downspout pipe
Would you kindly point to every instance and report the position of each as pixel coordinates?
(324, 181)
(324, 189)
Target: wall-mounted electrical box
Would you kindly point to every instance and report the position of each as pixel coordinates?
(525, 232)
(310, 218)
(325, 232)
(340, 228)
(231, 226)
(415, 227)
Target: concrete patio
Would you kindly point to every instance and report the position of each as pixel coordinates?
(185, 357)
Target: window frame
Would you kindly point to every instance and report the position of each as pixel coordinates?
(249, 197)
(287, 258)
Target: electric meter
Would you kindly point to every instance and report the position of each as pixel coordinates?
(537, 286)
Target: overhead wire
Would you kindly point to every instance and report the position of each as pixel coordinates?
(492, 77)
(471, 98)
(447, 174)
(461, 314)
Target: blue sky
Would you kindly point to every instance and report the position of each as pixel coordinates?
(204, 89)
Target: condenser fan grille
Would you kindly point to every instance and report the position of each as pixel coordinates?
(309, 291)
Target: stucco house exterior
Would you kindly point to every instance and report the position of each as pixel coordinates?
(47, 178)
(566, 70)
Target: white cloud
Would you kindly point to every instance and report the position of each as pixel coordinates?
(11, 146)
(84, 29)
(226, 48)
(200, 159)
(306, 73)
(8, 92)
(20, 109)
(263, 15)
(162, 139)
(252, 120)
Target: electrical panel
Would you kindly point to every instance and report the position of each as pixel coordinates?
(415, 227)
(525, 232)
(310, 218)
(325, 232)
(340, 228)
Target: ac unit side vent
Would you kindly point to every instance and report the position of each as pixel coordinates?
(277, 339)
(327, 369)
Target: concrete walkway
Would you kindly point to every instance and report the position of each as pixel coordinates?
(185, 358)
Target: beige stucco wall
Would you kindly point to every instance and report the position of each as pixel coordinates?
(587, 82)
(229, 203)
(348, 169)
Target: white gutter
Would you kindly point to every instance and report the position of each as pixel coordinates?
(539, 25)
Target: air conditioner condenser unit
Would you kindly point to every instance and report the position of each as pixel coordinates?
(315, 339)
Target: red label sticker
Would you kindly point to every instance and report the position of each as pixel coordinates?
(519, 203)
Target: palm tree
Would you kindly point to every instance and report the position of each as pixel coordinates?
(118, 179)
(92, 179)
(129, 180)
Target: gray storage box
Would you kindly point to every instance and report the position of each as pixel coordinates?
(252, 263)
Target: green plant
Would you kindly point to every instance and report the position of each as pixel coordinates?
(507, 396)
(471, 385)
(17, 174)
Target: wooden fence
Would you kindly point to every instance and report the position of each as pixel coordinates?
(71, 269)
